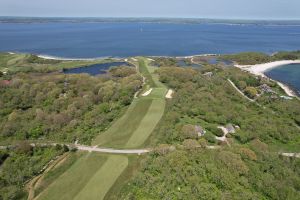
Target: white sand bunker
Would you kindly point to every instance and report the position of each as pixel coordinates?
(169, 94)
(147, 93)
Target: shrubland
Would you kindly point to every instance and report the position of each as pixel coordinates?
(60, 107)
(19, 165)
(252, 58)
(249, 166)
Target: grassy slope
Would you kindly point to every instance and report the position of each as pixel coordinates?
(69, 184)
(117, 135)
(130, 131)
(147, 125)
(103, 179)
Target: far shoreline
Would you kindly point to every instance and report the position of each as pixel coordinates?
(257, 69)
(260, 69)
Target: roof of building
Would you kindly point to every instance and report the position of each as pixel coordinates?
(230, 128)
(199, 130)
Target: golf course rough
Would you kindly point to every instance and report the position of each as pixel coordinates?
(92, 176)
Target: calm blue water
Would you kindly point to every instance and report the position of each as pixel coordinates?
(289, 74)
(95, 69)
(88, 40)
(182, 63)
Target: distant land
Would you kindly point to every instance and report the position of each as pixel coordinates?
(9, 19)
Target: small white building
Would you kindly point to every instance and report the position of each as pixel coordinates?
(200, 131)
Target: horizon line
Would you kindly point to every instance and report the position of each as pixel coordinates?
(156, 17)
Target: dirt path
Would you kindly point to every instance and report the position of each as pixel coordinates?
(113, 151)
(35, 182)
(93, 148)
(225, 131)
(239, 91)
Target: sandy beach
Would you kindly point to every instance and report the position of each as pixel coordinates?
(259, 70)
(68, 59)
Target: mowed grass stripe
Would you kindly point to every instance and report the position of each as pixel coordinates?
(120, 132)
(148, 124)
(144, 70)
(103, 179)
(154, 76)
(70, 183)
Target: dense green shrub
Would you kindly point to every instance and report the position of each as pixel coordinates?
(63, 107)
(248, 58)
(20, 165)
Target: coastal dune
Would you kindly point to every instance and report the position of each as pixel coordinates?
(259, 70)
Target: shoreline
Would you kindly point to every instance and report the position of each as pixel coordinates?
(47, 57)
(260, 69)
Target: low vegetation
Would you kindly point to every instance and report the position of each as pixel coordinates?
(236, 173)
(251, 58)
(26, 63)
(62, 107)
(19, 165)
(188, 161)
(250, 167)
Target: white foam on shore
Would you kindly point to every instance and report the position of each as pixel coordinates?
(70, 59)
(185, 57)
(259, 70)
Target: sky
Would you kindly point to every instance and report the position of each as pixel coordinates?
(221, 9)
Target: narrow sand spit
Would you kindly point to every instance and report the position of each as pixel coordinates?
(134, 59)
(169, 95)
(259, 70)
(147, 93)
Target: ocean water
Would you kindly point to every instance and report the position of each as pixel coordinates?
(288, 74)
(90, 40)
(95, 69)
(113, 39)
